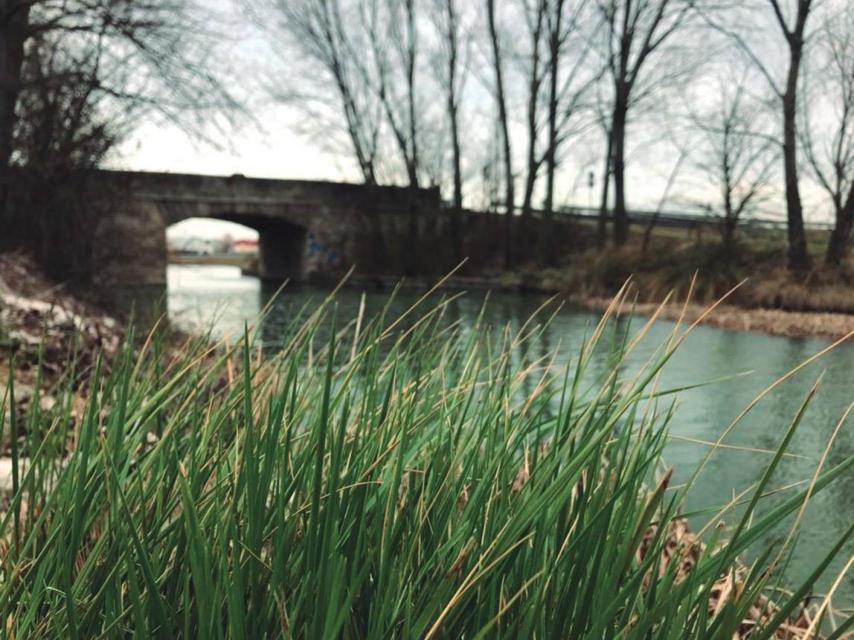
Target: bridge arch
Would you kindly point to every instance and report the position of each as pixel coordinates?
(305, 227)
(282, 244)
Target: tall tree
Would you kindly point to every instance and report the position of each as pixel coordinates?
(501, 102)
(451, 79)
(635, 30)
(828, 131)
(568, 83)
(799, 259)
(320, 33)
(556, 38)
(392, 33)
(791, 22)
(535, 12)
(607, 163)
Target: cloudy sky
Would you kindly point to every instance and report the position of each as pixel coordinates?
(273, 143)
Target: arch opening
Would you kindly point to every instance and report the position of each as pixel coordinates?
(271, 248)
(209, 257)
(209, 261)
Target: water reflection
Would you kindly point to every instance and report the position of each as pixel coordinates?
(221, 299)
(215, 298)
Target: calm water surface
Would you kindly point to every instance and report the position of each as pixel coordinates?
(221, 299)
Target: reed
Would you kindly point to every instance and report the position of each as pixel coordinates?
(381, 478)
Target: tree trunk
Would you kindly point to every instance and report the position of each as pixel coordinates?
(602, 231)
(547, 245)
(458, 174)
(534, 82)
(837, 246)
(618, 133)
(799, 259)
(412, 164)
(728, 231)
(525, 237)
(451, 36)
(532, 170)
(509, 195)
(13, 34)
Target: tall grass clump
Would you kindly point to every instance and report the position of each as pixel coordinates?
(381, 478)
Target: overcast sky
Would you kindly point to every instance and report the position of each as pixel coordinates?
(272, 145)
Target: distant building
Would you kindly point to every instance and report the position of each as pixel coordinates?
(245, 245)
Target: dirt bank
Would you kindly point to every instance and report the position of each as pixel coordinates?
(41, 321)
(766, 297)
(43, 328)
(775, 322)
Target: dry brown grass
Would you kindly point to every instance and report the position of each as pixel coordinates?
(771, 321)
(770, 299)
(685, 547)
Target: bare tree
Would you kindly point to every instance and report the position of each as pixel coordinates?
(604, 123)
(320, 33)
(635, 30)
(392, 33)
(737, 152)
(556, 38)
(451, 77)
(66, 65)
(501, 103)
(453, 81)
(66, 133)
(828, 132)
(566, 23)
(792, 24)
(534, 11)
(795, 39)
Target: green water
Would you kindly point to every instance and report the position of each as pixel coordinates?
(220, 298)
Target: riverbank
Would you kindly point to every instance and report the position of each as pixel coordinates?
(43, 326)
(246, 483)
(762, 295)
(50, 342)
(769, 300)
(775, 322)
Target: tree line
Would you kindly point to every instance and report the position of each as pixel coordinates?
(502, 103)
(757, 97)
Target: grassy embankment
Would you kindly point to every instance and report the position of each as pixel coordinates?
(672, 256)
(391, 481)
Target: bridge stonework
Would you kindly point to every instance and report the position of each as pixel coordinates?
(305, 228)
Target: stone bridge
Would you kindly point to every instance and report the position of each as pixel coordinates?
(305, 227)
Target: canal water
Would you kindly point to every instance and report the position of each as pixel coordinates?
(221, 300)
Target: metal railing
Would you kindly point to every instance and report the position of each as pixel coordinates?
(678, 219)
